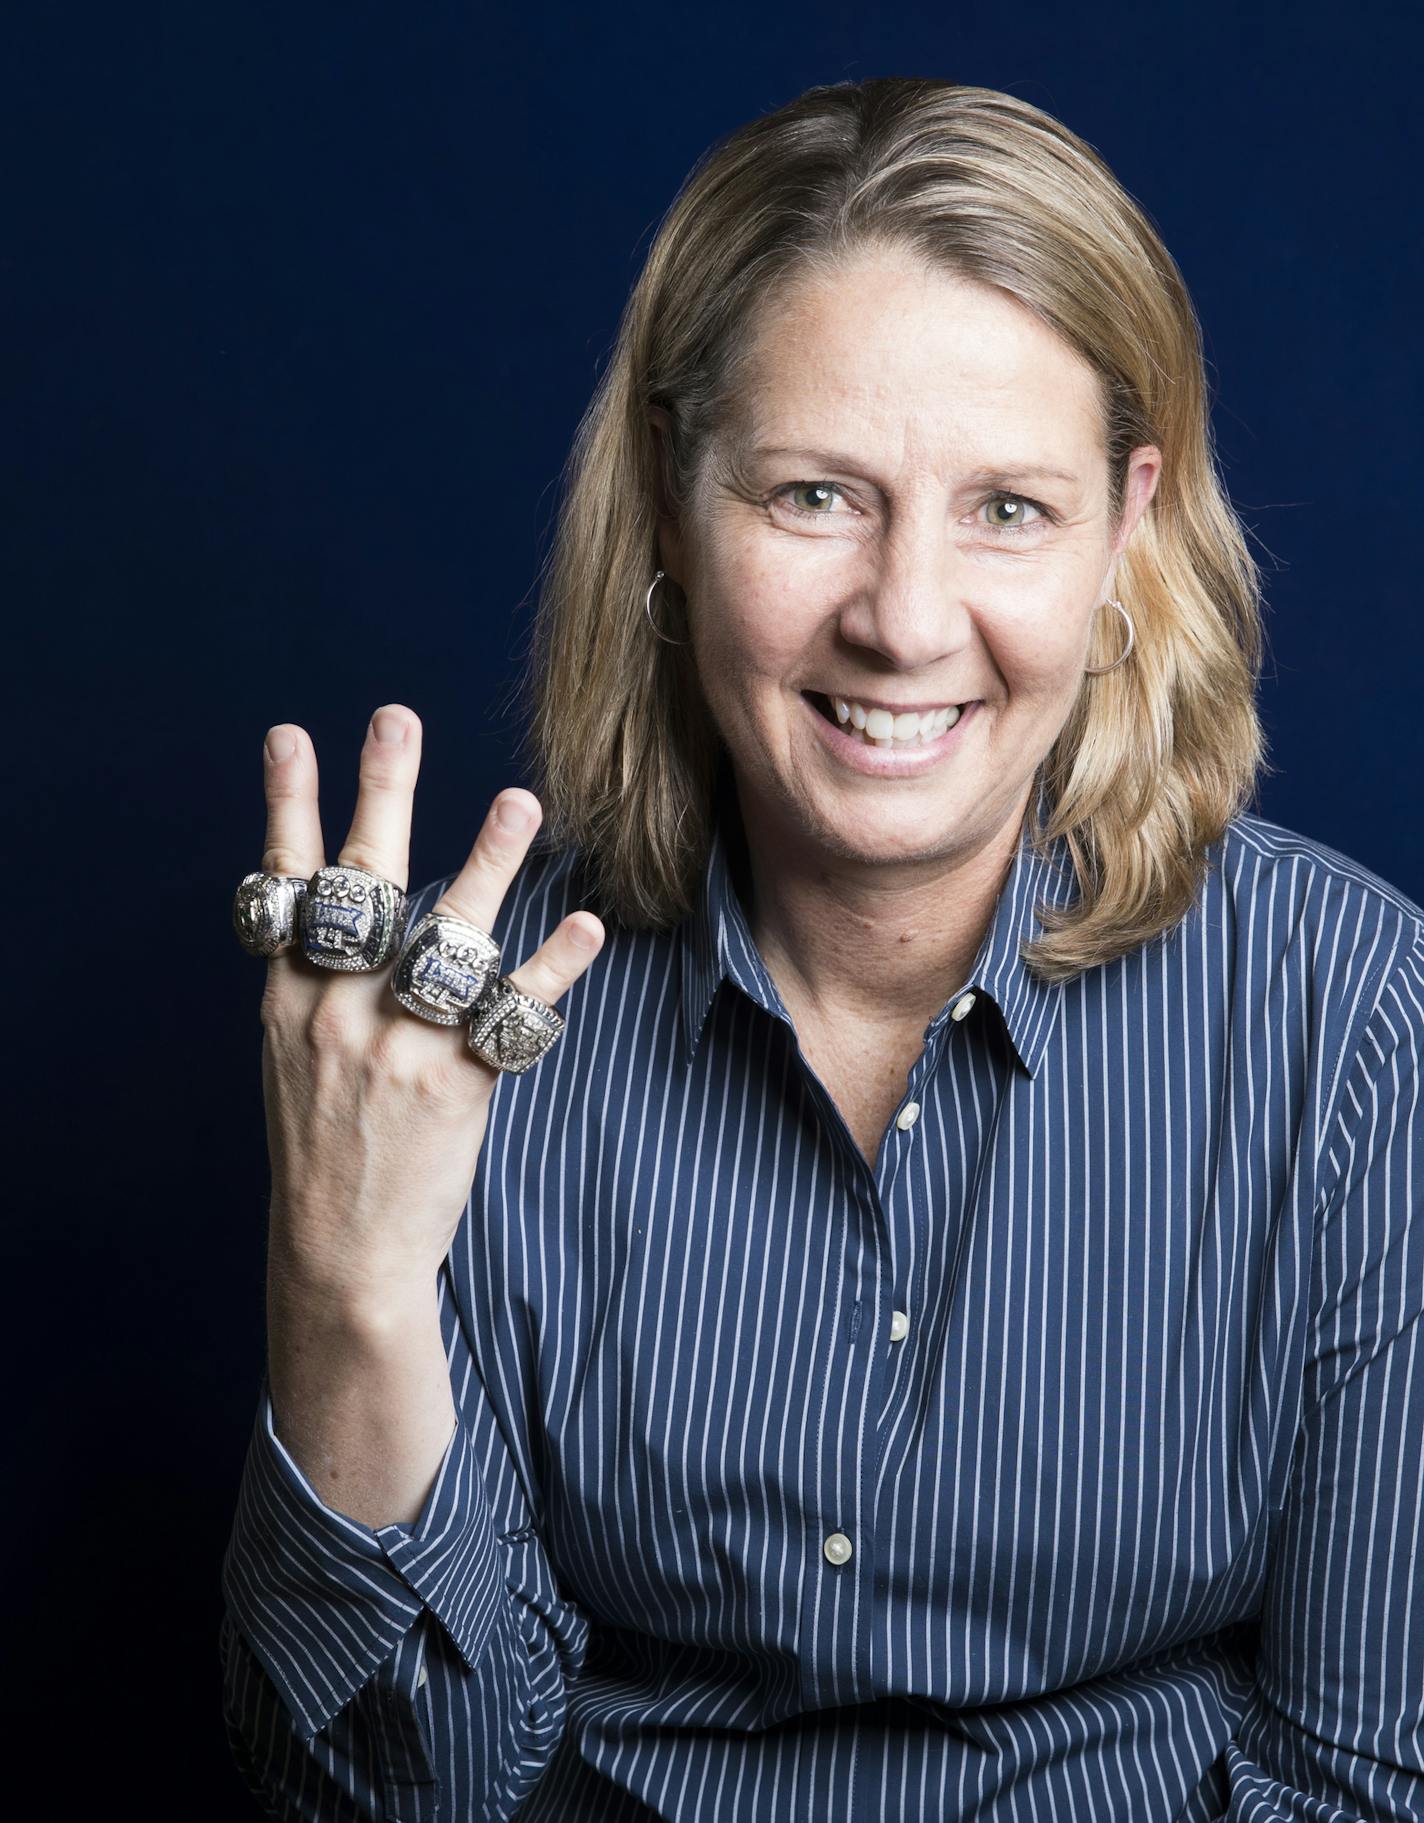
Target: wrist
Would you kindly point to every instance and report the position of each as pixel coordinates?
(363, 1297)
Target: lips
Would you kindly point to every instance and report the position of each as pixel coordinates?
(884, 759)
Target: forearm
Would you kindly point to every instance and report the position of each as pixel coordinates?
(360, 1391)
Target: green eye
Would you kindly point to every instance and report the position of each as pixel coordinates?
(1015, 504)
(826, 491)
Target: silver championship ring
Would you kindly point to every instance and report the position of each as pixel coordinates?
(265, 912)
(444, 967)
(509, 1030)
(351, 919)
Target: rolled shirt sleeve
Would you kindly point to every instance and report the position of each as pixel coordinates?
(323, 1599)
(335, 1621)
(1335, 1727)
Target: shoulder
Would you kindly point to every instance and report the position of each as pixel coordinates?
(1272, 855)
(1318, 931)
(1350, 918)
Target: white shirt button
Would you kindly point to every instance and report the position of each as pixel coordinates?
(837, 1548)
(420, 1676)
(899, 1326)
(907, 1116)
(961, 1006)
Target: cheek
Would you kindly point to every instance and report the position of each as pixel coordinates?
(753, 637)
(1038, 642)
(1042, 663)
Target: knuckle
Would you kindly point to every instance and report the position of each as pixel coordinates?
(403, 1054)
(433, 1078)
(542, 977)
(277, 859)
(392, 1055)
(359, 853)
(333, 1024)
(382, 769)
(558, 962)
(460, 905)
(443, 1084)
(492, 859)
(287, 786)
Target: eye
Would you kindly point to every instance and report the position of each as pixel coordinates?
(1019, 511)
(825, 490)
(1016, 520)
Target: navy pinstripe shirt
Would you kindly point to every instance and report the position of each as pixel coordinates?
(1066, 1463)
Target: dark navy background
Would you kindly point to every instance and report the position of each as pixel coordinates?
(301, 306)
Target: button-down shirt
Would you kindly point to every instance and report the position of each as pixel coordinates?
(1067, 1461)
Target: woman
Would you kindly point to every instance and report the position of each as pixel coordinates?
(938, 1337)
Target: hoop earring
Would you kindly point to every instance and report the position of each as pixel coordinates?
(1098, 670)
(648, 610)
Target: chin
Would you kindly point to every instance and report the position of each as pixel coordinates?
(905, 835)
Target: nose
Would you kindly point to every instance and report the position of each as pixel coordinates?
(913, 608)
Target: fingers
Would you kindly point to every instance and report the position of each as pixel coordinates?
(477, 892)
(293, 842)
(559, 961)
(379, 839)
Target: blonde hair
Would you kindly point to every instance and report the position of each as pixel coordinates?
(1156, 756)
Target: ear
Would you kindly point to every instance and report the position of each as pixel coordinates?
(1144, 470)
(670, 555)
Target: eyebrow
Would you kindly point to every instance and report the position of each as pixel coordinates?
(1012, 471)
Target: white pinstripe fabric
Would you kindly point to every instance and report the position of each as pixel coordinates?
(1136, 1508)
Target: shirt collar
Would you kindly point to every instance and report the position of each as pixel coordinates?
(717, 942)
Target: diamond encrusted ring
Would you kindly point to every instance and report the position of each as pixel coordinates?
(444, 967)
(265, 912)
(351, 919)
(509, 1030)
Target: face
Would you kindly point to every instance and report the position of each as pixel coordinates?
(912, 513)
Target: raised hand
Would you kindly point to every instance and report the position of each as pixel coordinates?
(375, 1117)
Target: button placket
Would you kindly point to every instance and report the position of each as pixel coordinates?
(407, 1773)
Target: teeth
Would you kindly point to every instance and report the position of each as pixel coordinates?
(882, 729)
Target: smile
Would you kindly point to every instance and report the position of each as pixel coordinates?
(905, 759)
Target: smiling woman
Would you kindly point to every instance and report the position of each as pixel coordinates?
(918, 578)
(940, 1337)
(912, 415)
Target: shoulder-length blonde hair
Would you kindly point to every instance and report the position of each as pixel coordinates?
(1157, 755)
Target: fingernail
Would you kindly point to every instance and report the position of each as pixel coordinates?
(389, 729)
(513, 813)
(583, 936)
(280, 744)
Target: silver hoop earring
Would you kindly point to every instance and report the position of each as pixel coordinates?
(648, 610)
(1098, 670)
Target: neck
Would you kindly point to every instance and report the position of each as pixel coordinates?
(880, 943)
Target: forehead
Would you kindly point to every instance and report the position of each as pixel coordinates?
(915, 361)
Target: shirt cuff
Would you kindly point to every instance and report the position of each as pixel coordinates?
(323, 1599)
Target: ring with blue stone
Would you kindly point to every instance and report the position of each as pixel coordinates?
(265, 912)
(444, 967)
(509, 1030)
(351, 919)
